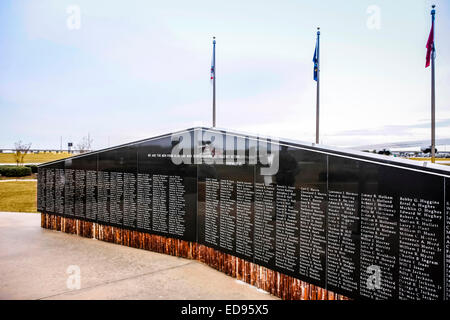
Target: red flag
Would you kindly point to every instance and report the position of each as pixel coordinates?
(430, 45)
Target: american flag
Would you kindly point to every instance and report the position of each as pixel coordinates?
(213, 61)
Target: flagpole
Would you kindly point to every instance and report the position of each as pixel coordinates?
(433, 97)
(318, 85)
(214, 82)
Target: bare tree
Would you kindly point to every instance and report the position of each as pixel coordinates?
(85, 144)
(20, 151)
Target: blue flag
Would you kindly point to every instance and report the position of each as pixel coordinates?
(315, 60)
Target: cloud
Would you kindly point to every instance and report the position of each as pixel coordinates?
(392, 133)
(398, 130)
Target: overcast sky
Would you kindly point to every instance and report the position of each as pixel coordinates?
(134, 69)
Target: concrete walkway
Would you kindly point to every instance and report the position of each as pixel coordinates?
(36, 263)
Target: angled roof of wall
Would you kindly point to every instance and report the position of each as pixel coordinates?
(334, 151)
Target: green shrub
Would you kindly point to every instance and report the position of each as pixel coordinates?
(14, 171)
(33, 167)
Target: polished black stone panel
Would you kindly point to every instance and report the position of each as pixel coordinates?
(361, 225)
(81, 186)
(41, 188)
(116, 175)
(167, 192)
(310, 172)
(447, 240)
(51, 186)
(225, 208)
(343, 225)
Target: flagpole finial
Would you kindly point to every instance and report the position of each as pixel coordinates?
(433, 11)
(318, 30)
(214, 40)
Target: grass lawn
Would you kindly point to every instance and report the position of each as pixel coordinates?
(34, 157)
(18, 196)
(443, 161)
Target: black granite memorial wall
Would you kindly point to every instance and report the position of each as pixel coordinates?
(361, 225)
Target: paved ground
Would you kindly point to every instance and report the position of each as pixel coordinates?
(34, 264)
